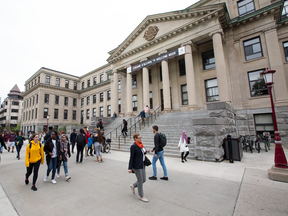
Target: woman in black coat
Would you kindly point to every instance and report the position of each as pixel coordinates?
(52, 150)
(81, 142)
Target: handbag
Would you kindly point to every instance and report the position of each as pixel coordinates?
(147, 162)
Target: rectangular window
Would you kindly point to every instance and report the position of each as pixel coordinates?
(285, 45)
(182, 69)
(66, 101)
(252, 48)
(245, 7)
(14, 110)
(45, 113)
(119, 86)
(47, 80)
(74, 114)
(134, 100)
(101, 97)
(46, 99)
(94, 99)
(26, 115)
(17, 103)
(184, 94)
(160, 69)
(32, 115)
(101, 111)
(208, 60)
(65, 114)
(36, 113)
(58, 82)
(82, 116)
(109, 111)
(108, 95)
(67, 84)
(134, 81)
(150, 77)
(56, 99)
(36, 99)
(88, 100)
(88, 83)
(33, 100)
(264, 123)
(285, 10)
(87, 114)
(94, 112)
(108, 77)
(101, 78)
(119, 105)
(83, 85)
(151, 100)
(39, 79)
(94, 80)
(257, 83)
(31, 84)
(75, 85)
(15, 117)
(74, 102)
(82, 102)
(211, 87)
(56, 111)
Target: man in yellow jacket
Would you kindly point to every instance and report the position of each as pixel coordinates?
(34, 156)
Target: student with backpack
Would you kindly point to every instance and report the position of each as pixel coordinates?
(159, 143)
(19, 142)
(34, 156)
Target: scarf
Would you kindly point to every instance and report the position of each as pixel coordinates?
(183, 136)
(64, 148)
(139, 144)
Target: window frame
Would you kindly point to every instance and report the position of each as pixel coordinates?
(182, 67)
(94, 112)
(83, 85)
(210, 88)
(67, 84)
(82, 102)
(46, 99)
(45, 117)
(119, 105)
(47, 81)
(88, 83)
(247, 12)
(109, 111)
(252, 48)
(56, 100)
(151, 99)
(75, 86)
(249, 80)
(94, 99)
(209, 64)
(134, 81)
(65, 115)
(74, 102)
(108, 95)
(94, 80)
(150, 76)
(56, 113)
(285, 49)
(88, 100)
(182, 93)
(57, 82)
(66, 102)
(101, 111)
(87, 114)
(134, 103)
(101, 97)
(119, 86)
(101, 78)
(74, 115)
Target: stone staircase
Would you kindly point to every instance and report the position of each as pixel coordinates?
(172, 125)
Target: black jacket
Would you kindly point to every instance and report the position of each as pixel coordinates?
(2, 142)
(47, 136)
(157, 148)
(136, 158)
(81, 140)
(48, 148)
(73, 137)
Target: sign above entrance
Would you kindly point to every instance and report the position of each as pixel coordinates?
(157, 59)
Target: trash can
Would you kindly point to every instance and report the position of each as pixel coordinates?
(237, 151)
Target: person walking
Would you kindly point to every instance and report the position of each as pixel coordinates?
(183, 146)
(87, 135)
(65, 153)
(19, 143)
(124, 130)
(52, 150)
(73, 136)
(47, 136)
(98, 140)
(90, 144)
(81, 142)
(146, 110)
(2, 140)
(136, 164)
(158, 154)
(11, 141)
(142, 115)
(33, 157)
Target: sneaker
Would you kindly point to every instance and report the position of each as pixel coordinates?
(185, 159)
(132, 189)
(182, 161)
(53, 181)
(58, 176)
(46, 178)
(26, 181)
(12, 151)
(33, 188)
(164, 178)
(68, 178)
(18, 158)
(143, 199)
(153, 178)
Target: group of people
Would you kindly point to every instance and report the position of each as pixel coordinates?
(11, 140)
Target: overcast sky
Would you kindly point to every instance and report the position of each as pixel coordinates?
(70, 36)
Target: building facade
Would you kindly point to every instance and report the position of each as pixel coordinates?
(213, 50)
(11, 109)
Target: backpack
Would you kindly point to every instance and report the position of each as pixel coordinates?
(31, 146)
(163, 140)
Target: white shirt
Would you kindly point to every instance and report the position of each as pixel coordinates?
(54, 149)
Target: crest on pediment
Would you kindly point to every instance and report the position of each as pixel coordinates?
(151, 33)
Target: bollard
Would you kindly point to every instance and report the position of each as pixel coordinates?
(230, 149)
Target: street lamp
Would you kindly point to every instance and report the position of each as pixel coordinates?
(279, 158)
(47, 122)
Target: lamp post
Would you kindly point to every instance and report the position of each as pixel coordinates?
(279, 158)
(47, 122)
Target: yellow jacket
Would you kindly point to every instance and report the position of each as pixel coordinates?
(34, 154)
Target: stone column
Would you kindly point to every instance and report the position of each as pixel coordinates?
(145, 73)
(222, 74)
(166, 86)
(276, 63)
(190, 76)
(129, 95)
(114, 94)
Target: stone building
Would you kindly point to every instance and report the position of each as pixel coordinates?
(11, 109)
(212, 51)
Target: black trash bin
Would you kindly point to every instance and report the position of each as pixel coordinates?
(237, 151)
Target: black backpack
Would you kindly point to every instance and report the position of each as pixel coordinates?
(163, 140)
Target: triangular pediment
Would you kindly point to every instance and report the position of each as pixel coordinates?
(168, 25)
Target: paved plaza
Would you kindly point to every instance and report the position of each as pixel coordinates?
(194, 188)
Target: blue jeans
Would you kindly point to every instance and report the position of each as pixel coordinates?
(160, 156)
(146, 115)
(65, 165)
(52, 166)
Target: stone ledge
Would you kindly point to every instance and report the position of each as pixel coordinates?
(209, 121)
(219, 106)
(278, 174)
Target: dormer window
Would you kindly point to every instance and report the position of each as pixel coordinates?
(245, 7)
